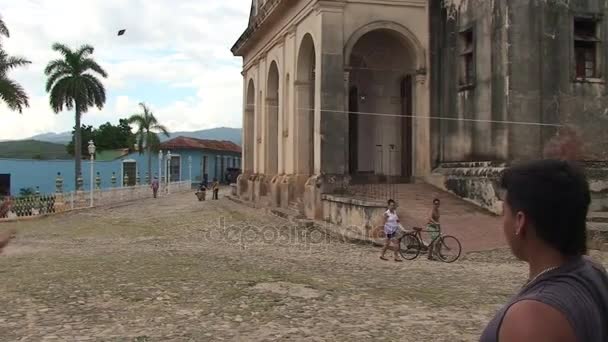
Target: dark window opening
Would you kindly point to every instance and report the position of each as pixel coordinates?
(467, 59)
(586, 48)
(5, 184)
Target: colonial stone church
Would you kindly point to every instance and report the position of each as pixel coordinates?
(445, 92)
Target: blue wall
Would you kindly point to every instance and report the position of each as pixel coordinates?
(25, 173)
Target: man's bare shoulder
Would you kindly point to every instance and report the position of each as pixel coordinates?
(531, 320)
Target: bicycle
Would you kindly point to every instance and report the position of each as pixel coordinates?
(446, 248)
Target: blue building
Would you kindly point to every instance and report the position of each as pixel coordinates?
(190, 159)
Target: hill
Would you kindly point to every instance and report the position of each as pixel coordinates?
(33, 149)
(219, 133)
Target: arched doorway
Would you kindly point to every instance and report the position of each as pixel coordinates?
(272, 120)
(305, 106)
(380, 106)
(249, 127)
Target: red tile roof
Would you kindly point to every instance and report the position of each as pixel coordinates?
(200, 144)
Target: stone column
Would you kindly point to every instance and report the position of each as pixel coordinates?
(303, 117)
(422, 124)
(272, 132)
(248, 149)
(332, 136)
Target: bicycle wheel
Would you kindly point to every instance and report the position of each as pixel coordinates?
(409, 247)
(447, 248)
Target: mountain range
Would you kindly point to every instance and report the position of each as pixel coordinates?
(219, 133)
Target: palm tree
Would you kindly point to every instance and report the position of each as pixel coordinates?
(11, 92)
(72, 83)
(147, 124)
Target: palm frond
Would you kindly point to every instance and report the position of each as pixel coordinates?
(13, 94)
(84, 51)
(89, 64)
(62, 95)
(3, 29)
(56, 65)
(53, 78)
(162, 129)
(137, 119)
(96, 91)
(12, 62)
(63, 49)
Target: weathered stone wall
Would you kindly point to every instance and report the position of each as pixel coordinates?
(466, 129)
(359, 217)
(524, 76)
(475, 182)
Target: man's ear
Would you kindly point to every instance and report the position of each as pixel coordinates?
(521, 223)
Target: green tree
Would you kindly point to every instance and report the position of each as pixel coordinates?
(11, 92)
(147, 124)
(86, 133)
(109, 137)
(73, 84)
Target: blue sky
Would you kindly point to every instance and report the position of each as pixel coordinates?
(175, 56)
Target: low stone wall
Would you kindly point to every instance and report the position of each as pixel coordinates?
(357, 216)
(476, 182)
(597, 174)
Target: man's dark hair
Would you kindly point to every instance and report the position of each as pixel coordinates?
(554, 196)
(390, 201)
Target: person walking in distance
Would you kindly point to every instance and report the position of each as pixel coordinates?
(544, 221)
(391, 229)
(155, 186)
(216, 188)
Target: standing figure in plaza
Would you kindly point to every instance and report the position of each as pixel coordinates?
(433, 226)
(201, 193)
(391, 230)
(544, 221)
(155, 186)
(215, 186)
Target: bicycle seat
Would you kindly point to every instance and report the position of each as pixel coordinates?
(417, 229)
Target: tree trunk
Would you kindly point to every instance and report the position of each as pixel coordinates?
(77, 149)
(149, 152)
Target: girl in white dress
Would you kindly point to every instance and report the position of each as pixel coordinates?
(391, 229)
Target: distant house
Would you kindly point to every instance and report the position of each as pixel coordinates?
(209, 157)
(117, 168)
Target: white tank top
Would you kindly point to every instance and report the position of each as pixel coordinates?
(392, 222)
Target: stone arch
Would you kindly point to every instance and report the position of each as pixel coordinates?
(249, 127)
(305, 105)
(408, 37)
(272, 119)
(383, 58)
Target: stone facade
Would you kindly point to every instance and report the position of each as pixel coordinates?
(446, 92)
(308, 70)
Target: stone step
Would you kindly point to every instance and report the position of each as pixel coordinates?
(285, 213)
(598, 216)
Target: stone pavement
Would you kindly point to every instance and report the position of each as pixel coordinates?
(175, 269)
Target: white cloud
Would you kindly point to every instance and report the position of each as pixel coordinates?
(183, 45)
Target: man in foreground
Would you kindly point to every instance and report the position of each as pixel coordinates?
(566, 296)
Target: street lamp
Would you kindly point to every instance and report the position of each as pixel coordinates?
(160, 169)
(190, 169)
(92, 154)
(167, 174)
